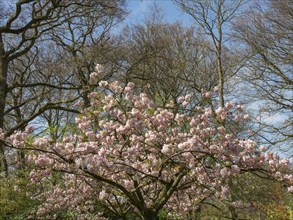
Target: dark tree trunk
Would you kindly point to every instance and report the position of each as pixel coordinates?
(150, 215)
(233, 212)
(3, 94)
(197, 213)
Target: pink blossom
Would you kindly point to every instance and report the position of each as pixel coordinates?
(124, 148)
(224, 172)
(91, 135)
(262, 148)
(208, 94)
(28, 129)
(220, 110)
(246, 116)
(69, 147)
(216, 89)
(166, 149)
(103, 83)
(184, 104)
(151, 105)
(224, 191)
(188, 97)
(181, 99)
(239, 107)
(93, 95)
(42, 161)
(229, 105)
(131, 85)
(237, 118)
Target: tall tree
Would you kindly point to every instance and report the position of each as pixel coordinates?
(213, 17)
(24, 22)
(265, 31)
(167, 60)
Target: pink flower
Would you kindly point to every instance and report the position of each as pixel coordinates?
(28, 129)
(103, 195)
(219, 110)
(262, 148)
(91, 135)
(180, 99)
(229, 105)
(151, 105)
(194, 122)
(93, 95)
(165, 149)
(69, 147)
(224, 172)
(42, 161)
(184, 104)
(188, 97)
(246, 116)
(237, 118)
(216, 89)
(239, 107)
(131, 85)
(224, 191)
(208, 94)
(103, 83)
(208, 112)
(123, 147)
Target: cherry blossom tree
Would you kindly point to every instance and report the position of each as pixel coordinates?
(131, 156)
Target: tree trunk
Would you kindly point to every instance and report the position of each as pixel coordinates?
(233, 212)
(232, 209)
(21, 164)
(219, 59)
(150, 215)
(221, 78)
(3, 94)
(197, 213)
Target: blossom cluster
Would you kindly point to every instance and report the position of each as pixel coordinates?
(131, 151)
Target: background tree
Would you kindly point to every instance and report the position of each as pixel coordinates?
(167, 60)
(23, 26)
(213, 17)
(265, 31)
(214, 20)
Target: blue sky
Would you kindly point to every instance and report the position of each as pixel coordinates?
(139, 8)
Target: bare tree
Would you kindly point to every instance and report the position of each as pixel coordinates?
(168, 60)
(213, 16)
(265, 30)
(23, 25)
